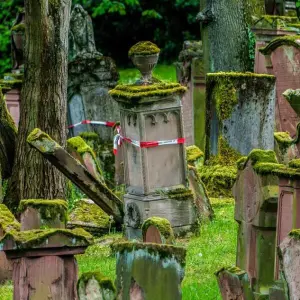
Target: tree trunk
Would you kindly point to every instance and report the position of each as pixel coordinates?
(225, 34)
(44, 100)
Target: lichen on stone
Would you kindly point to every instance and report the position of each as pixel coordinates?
(163, 251)
(193, 153)
(48, 209)
(104, 282)
(7, 220)
(143, 48)
(163, 226)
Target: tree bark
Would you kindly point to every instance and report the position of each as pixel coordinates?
(44, 100)
(225, 35)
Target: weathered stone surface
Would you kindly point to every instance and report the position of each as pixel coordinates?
(282, 56)
(234, 284)
(290, 265)
(256, 196)
(78, 174)
(240, 108)
(165, 271)
(46, 277)
(89, 216)
(94, 286)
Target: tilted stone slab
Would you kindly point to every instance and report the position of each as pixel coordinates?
(77, 173)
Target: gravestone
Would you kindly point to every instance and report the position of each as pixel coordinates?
(240, 111)
(191, 74)
(283, 58)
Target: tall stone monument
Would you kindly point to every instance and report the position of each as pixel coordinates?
(154, 154)
(91, 75)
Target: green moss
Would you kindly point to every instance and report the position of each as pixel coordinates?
(88, 215)
(295, 233)
(78, 145)
(221, 202)
(163, 226)
(226, 154)
(294, 163)
(241, 162)
(7, 220)
(89, 135)
(11, 83)
(218, 179)
(233, 270)
(262, 156)
(193, 153)
(6, 119)
(134, 92)
(104, 282)
(19, 28)
(164, 251)
(34, 238)
(237, 75)
(143, 48)
(180, 193)
(283, 140)
(290, 40)
(49, 209)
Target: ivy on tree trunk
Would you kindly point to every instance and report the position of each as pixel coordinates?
(44, 100)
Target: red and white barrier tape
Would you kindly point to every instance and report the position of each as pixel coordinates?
(118, 141)
(107, 124)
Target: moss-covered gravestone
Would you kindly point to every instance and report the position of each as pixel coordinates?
(154, 154)
(89, 216)
(46, 266)
(94, 286)
(148, 271)
(240, 109)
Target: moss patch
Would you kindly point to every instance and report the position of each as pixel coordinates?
(283, 140)
(143, 48)
(241, 162)
(193, 153)
(8, 221)
(78, 145)
(134, 92)
(48, 209)
(88, 215)
(164, 251)
(104, 282)
(34, 238)
(19, 28)
(295, 233)
(163, 226)
(294, 163)
(180, 193)
(290, 40)
(233, 270)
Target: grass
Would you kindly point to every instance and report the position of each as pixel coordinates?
(163, 72)
(213, 249)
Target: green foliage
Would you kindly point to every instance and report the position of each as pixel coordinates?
(8, 12)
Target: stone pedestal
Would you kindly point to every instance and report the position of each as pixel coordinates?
(155, 173)
(240, 110)
(283, 59)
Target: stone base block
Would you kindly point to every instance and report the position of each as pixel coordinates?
(180, 213)
(5, 268)
(44, 278)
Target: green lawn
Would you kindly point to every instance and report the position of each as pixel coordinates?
(212, 249)
(163, 72)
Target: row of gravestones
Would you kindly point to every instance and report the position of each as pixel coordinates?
(267, 212)
(45, 258)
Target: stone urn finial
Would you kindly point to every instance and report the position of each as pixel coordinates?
(144, 56)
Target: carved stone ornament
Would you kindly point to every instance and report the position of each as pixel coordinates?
(133, 215)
